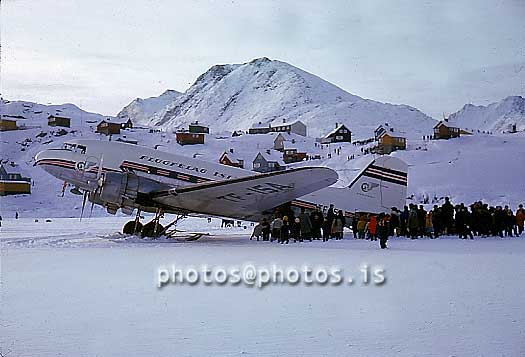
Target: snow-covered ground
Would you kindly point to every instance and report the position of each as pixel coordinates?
(80, 289)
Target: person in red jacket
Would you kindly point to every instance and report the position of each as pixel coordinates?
(520, 218)
(372, 227)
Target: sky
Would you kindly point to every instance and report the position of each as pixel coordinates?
(433, 55)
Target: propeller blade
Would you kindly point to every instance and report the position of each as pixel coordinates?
(91, 209)
(83, 204)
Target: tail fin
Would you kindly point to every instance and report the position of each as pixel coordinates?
(381, 185)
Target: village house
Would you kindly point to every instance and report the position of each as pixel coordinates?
(198, 129)
(266, 161)
(278, 143)
(54, 120)
(108, 128)
(259, 128)
(7, 124)
(291, 155)
(389, 141)
(231, 159)
(296, 127)
(127, 125)
(380, 130)
(187, 138)
(13, 183)
(444, 131)
(341, 134)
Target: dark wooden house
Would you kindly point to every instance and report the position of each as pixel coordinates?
(341, 134)
(108, 128)
(196, 128)
(443, 130)
(291, 155)
(54, 120)
(186, 138)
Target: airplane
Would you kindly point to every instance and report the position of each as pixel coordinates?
(125, 176)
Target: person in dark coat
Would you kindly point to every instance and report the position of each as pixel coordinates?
(460, 223)
(413, 222)
(510, 221)
(499, 221)
(265, 229)
(330, 215)
(296, 230)
(354, 225)
(306, 225)
(447, 217)
(403, 221)
(285, 231)
(317, 222)
(421, 216)
(326, 230)
(436, 220)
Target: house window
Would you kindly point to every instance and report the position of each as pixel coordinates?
(339, 137)
(271, 165)
(256, 165)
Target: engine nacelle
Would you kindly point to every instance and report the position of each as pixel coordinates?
(126, 190)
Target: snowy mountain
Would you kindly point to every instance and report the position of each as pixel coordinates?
(495, 117)
(235, 96)
(140, 110)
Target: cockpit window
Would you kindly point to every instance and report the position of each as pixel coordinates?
(74, 147)
(69, 147)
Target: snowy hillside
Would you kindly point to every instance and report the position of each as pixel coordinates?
(235, 96)
(140, 110)
(34, 114)
(495, 117)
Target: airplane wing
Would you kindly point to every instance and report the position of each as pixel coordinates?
(246, 197)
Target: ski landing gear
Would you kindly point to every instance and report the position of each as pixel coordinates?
(154, 229)
(133, 227)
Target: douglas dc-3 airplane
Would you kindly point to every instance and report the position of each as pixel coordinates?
(128, 177)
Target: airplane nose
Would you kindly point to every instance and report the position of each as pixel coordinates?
(42, 155)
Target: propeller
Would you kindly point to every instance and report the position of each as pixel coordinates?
(100, 183)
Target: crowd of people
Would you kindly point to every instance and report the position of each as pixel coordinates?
(306, 226)
(478, 219)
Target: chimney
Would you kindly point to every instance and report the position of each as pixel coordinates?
(231, 150)
(336, 125)
(268, 151)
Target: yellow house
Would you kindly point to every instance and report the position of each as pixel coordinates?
(7, 124)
